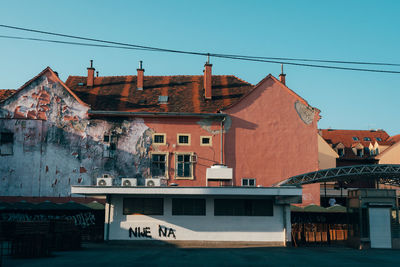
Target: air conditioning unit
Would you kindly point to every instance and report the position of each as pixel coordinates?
(153, 182)
(104, 181)
(127, 182)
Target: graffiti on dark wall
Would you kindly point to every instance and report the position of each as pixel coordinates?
(83, 219)
(145, 232)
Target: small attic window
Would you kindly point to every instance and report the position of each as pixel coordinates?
(80, 84)
(163, 99)
(378, 139)
(355, 138)
(367, 139)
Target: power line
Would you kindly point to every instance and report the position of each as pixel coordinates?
(236, 57)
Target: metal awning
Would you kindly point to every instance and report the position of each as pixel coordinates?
(384, 173)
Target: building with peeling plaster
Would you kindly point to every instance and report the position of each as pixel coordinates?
(167, 129)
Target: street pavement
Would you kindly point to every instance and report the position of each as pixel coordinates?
(136, 255)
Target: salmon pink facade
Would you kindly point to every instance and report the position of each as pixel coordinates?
(273, 137)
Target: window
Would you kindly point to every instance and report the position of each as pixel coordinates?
(6, 143)
(205, 141)
(340, 152)
(189, 206)
(243, 207)
(355, 138)
(110, 145)
(163, 99)
(184, 139)
(377, 151)
(144, 206)
(159, 139)
(359, 152)
(366, 151)
(159, 165)
(378, 139)
(367, 139)
(248, 182)
(184, 165)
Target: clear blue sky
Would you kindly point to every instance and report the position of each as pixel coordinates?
(340, 30)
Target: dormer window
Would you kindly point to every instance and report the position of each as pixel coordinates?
(355, 138)
(359, 152)
(377, 151)
(163, 99)
(340, 152)
(367, 139)
(378, 139)
(366, 151)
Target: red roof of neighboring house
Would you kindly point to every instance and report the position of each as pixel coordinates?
(185, 93)
(345, 137)
(5, 93)
(395, 138)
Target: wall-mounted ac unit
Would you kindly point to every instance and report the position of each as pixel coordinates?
(153, 182)
(220, 172)
(103, 181)
(127, 182)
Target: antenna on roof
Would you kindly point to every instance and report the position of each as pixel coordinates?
(208, 58)
(140, 64)
(97, 73)
(281, 68)
(91, 63)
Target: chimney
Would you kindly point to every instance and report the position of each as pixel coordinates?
(282, 76)
(140, 74)
(207, 79)
(90, 75)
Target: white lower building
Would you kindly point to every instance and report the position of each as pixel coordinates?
(232, 214)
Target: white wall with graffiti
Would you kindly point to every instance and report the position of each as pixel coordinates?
(168, 227)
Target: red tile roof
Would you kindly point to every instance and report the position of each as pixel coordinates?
(345, 137)
(395, 138)
(5, 93)
(185, 93)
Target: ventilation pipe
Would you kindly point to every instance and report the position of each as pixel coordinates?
(282, 76)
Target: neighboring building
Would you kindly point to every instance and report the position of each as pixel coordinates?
(358, 147)
(154, 130)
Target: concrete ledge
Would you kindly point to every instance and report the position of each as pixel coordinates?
(192, 244)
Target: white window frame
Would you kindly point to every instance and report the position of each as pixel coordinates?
(201, 140)
(183, 144)
(154, 138)
(248, 182)
(191, 177)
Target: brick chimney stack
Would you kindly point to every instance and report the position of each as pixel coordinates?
(282, 76)
(207, 79)
(140, 76)
(90, 75)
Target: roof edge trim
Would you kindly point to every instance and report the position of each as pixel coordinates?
(156, 114)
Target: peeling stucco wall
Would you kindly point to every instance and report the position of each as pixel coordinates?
(56, 145)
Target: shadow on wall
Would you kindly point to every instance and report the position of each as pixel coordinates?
(230, 141)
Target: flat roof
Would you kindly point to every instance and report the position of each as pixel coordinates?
(199, 191)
